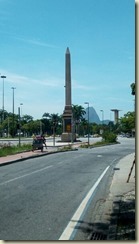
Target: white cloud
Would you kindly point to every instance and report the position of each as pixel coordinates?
(18, 79)
(35, 42)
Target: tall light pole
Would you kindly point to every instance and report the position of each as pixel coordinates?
(88, 121)
(102, 116)
(54, 131)
(21, 104)
(19, 127)
(3, 77)
(13, 88)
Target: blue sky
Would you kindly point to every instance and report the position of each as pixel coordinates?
(34, 35)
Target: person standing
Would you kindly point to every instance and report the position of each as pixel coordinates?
(44, 140)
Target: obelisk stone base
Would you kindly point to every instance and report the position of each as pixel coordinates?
(68, 137)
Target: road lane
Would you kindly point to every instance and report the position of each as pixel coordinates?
(39, 205)
(22, 176)
(68, 233)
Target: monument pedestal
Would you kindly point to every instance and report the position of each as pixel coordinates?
(68, 134)
(68, 137)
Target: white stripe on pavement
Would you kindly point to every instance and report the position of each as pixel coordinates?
(67, 233)
(22, 176)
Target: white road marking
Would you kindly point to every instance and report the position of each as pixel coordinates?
(34, 172)
(99, 156)
(67, 233)
(61, 162)
(22, 176)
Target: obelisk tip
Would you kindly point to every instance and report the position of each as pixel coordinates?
(67, 51)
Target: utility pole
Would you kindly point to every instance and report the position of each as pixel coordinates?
(3, 77)
(19, 126)
(13, 88)
(88, 123)
(102, 116)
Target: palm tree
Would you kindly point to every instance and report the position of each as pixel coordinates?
(47, 124)
(46, 115)
(84, 125)
(55, 120)
(78, 112)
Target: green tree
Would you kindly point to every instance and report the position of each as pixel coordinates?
(127, 123)
(46, 115)
(78, 112)
(3, 115)
(83, 127)
(33, 127)
(7, 125)
(56, 122)
(47, 124)
(132, 88)
(53, 123)
(27, 118)
(95, 128)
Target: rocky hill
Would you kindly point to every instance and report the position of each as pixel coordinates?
(93, 116)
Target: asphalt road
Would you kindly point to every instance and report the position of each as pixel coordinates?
(38, 197)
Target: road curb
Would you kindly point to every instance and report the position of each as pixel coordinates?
(34, 156)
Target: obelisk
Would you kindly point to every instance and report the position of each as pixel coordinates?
(68, 134)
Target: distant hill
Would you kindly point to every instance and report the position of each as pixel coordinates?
(106, 122)
(93, 116)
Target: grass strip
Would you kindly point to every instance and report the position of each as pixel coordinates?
(7, 149)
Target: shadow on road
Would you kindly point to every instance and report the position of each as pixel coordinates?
(121, 225)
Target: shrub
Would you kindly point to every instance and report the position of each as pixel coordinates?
(109, 136)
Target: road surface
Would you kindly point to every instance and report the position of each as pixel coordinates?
(39, 197)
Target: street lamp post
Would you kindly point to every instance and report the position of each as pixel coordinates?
(13, 88)
(21, 104)
(3, 77)
(54, 131)
(54, 135)
(101, 130)
(102, 116)
(88, 122)
(19, 127)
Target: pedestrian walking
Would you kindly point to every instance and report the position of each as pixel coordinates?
(44, 140)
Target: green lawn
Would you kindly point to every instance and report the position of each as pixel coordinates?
(7, 149)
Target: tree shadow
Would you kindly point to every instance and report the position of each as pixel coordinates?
(125, 219)
(121, 224)
(94, 231)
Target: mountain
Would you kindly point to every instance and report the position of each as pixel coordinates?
(93, 116)
(107, 121)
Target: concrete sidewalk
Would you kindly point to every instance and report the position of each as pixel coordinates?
(36, 153)
(122, 193)
(22, 156)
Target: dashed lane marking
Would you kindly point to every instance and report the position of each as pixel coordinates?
(22, 176)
